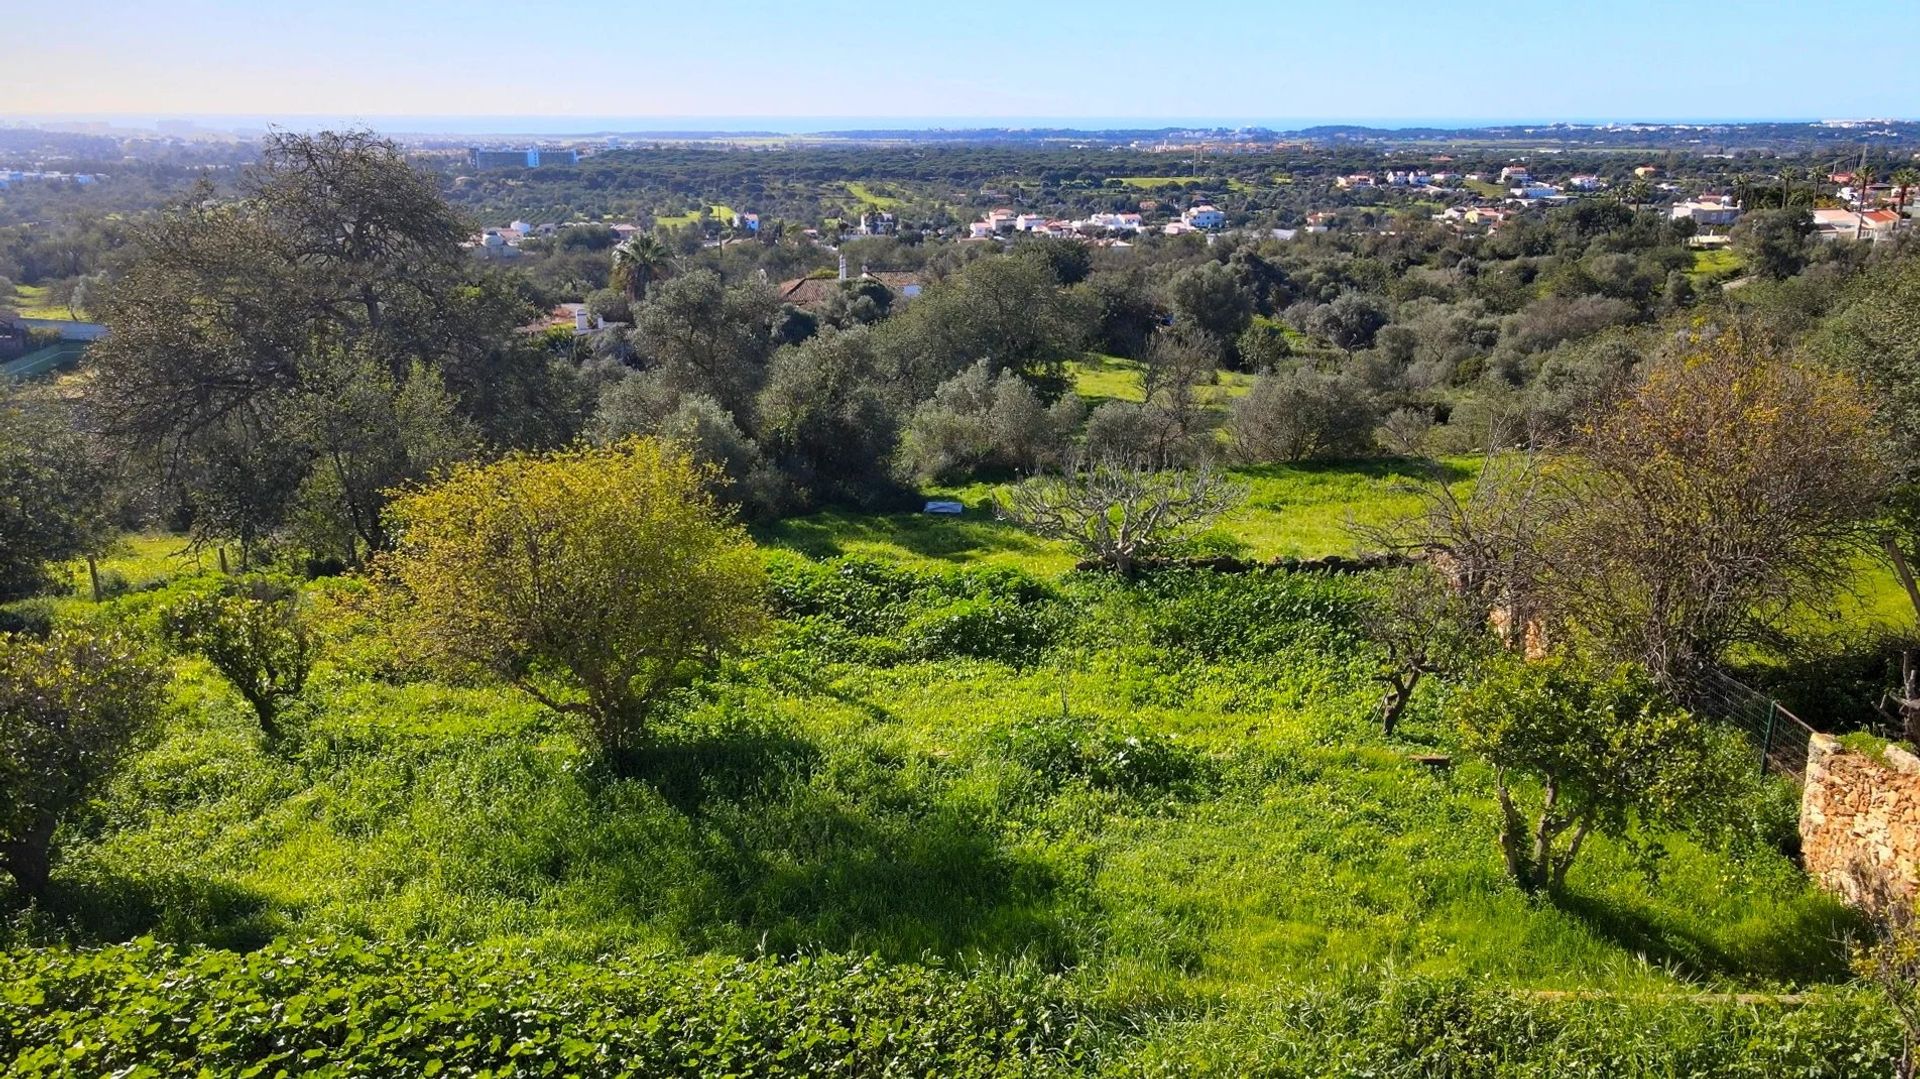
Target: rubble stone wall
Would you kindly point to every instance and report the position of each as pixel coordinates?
(1860, 822)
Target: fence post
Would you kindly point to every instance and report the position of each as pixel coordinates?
(1766, 740)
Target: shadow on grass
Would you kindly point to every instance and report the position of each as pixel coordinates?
(903, 882)
(727, 765)
(87, 905)
(857, 848)
(826, 535)
(1373, 468)
(1805, 948)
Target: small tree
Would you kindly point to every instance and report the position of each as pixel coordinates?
(1423, 627)
(1118, 513)
(256, 635)
(1302, 415)
(1606, 749)
(592, 579)
(72, 708)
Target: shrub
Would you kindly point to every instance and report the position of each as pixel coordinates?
(72, 708)
(981, 627)
(1302, 415)
(594, 580)
(1607, 749)
(1219, 616)
(256, 635)
(344, 1007)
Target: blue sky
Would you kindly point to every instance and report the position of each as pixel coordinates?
(1229, 60)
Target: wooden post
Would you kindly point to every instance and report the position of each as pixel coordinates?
(93, 576)
(222, 549)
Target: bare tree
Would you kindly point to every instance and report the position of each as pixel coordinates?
(1423, 627)
(1490, 537)
(1118, 512)
(1727, 489)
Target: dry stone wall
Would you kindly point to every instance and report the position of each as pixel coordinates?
(1860, 822)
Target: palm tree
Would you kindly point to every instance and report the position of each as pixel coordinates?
(638, 261)
(1905, 180)
(1788, 175)
(1742, 189)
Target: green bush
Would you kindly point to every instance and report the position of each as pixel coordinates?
(982, 627)
(336, 1006)
(345, 1008)
(1242, 616)
(1061, 749)
(995, 614)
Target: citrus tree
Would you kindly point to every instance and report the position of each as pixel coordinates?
(72, 708)
(593, 579)
(256, 635)
(1578, 747)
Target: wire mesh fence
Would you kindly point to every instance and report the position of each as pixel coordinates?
(1778, 736)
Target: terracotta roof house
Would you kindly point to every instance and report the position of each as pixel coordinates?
(814, 292)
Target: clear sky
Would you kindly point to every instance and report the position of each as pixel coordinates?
(1226, 60)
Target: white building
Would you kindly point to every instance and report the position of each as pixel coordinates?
(1712, 213)
(1204, 217)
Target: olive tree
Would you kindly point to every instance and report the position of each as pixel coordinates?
(72, 708)
(593, 579)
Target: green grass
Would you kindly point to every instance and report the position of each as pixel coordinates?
(1714, 264)
(1099, 378)
(869, 197)
(1219, 824)
(719, 212)
(1485, 188)
(1155, 181)
(1300, 511)
(30, 301)
(812, 798)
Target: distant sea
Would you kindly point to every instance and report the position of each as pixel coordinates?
(552, 126)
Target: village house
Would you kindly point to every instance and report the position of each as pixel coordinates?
(1515, 174)
(1707, 212)
(1357, 180)
(1204, 217)
(1872, 226)
(814, 293)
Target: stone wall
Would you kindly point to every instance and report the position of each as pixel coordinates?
(1860, 822)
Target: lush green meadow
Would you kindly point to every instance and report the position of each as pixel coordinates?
(1163, 807)
(31, 301)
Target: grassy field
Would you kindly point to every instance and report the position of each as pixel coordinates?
(1485, 188)
(1099, 378)
(1714, 264)
(1170, 798)
(717, 211)
(30, 301)
(1300, 511)
(869, 197)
